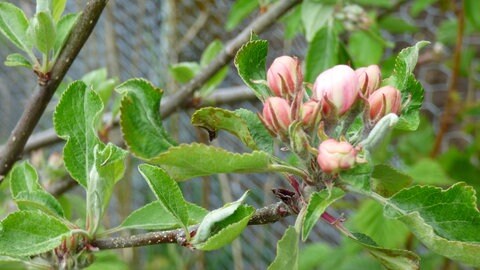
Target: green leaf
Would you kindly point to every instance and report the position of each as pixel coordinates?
(314, 17)
(404, 80)
(287, 251)
(140, 118)
(108, 260)
(209, 225)
(13, 263)
(44, 5)
(185, 71)
(251, 65)
(75, 118)
(212, 50)
(445, 221)
(214, 119)
(239, 11)
(358, 176)
(293, 22)
(39, 200)
(58, 8)
(43, 32)
(420, 5)
(167, 192)
(108, 169)
(364, 49)
(319, 201)
(260, 135)
(213, 82)
(387, 180)
(98, 80)
(187, 161)
(14, 25)
(64, 26)
(397, 25)
(391, 259)
(429, 172)
(23, 178)
(225, 231)
(322, 53)
(471, 12)
(25, 233)
(17, 60)
(154, 216)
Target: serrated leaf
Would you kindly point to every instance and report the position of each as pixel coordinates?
(43, 31)
(184, 71)
(314, 16)
(23, 178)
(58, 8)
(326, 42)
(391, 259)
(154, 216)
(167, 192)
(17, 60)
(287, 251)
(214, 119)
(387, 180)
(318, 203)
(446, 221)
(14, 25)
(140, 118)
(75, 118)
(64, 26)
(187, 161)
(228, 229)
(25, 233)
(109, 167)
(239, 11)
(39, 200)
(260, 135)
(208, 227)
(251, 66)
(358, 176)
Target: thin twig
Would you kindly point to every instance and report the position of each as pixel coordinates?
(12, 150)
(449, 113)
(268, 214)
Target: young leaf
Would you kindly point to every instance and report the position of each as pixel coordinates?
(446, 221)
(140, 118)
(326, 42)
(14, 25)
(187, 161)
(39, 200)
(219, 220)
(387, 180)
(23, 178)
(214, 119)
(27, 233)
(167, 192)
(64, 26)
(251, 63)
(359, 176)
(154, 216)
(392, 259)
(259, 133)
(109, 167)
(184, 71)
(227, 230)
(17, 60)
(239, 11)
(57, 9)
(75, 119)
(314, 16)
(43, 32)
(287, 251)
(319, 201)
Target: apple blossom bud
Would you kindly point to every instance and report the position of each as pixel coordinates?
(334, 156)
(284, 77)
(308, 112)
(384, 101)
(338, 87)
(276, 115)
(369, 79)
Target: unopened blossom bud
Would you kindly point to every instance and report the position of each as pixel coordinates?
(276, 114)
(284, 77)
(334, 156)
(384, 101)
(309, 112)
(338, 87)
(369, 79)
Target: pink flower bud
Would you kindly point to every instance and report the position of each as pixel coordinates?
(369, 79)
(276, 115)
(336, 87)
(384, 101)
(334, 156)
(285, 76)
(308, 112)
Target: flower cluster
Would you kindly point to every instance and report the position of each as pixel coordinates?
(326, 110)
